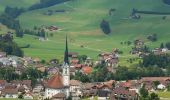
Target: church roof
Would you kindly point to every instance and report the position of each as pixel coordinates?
(55, 82)
(66, 60)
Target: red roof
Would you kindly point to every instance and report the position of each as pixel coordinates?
(87, 70)
(78, 65)
(3, 81)
(74, 61)
(55, 82)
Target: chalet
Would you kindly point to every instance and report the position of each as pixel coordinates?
(38, 88)
(9, 92)
(148, 81)
(121, 93)
(75, 89)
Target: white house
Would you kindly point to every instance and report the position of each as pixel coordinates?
(161, 86)
(75, 88)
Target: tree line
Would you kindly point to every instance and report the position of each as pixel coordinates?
(100, 73)
(30, 73)
(46, 3)
(9, 46)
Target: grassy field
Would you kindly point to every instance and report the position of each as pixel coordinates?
(16, 3)
(164, 95)
(81, 22)
(4, 29)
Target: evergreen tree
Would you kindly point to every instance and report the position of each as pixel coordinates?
(104, 25)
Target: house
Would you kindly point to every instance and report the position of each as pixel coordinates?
(78, 66)
(149, 82)
(75, 88)
(10, 93)
(72, 70)
(121, 93)
(28, 96)
(103, 95)
(161, 87)
(74, 61)
(2, 84)
(59, 96)
(3, 54)
(89, 61)
(87, 70)
(38, 88)
(27, 61)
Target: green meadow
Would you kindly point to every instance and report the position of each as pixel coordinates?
(81, 22)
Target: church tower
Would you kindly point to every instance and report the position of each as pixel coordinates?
(66, 68)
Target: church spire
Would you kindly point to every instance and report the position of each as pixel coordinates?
(66, 60)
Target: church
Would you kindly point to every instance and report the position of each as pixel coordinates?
(58, 85)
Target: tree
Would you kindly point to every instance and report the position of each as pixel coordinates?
(162, 45)
(19, 33)
(20, 96)
(168, 45)
(104, 25)
(168, 87)
(154, 96)
(143, 92)
(156, 83)
(166, 2)
(82, 58)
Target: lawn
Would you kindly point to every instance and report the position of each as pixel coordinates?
(4, 29)
(164, 95)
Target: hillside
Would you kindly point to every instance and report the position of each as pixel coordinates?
(81, 21)
(16, 3)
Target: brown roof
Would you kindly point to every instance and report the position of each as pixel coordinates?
(74, 61)
(121, 90)
(10, 91)
(78, 65)
(2, 82)
(87, 70)
(88, 85)
(26, 82)
(154, 79)
(59, 95)
(55, 82)
(75, 83)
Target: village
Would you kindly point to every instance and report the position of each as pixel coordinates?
(59, 84)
